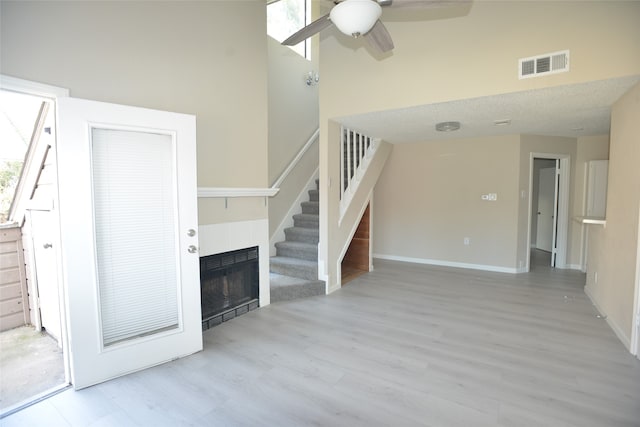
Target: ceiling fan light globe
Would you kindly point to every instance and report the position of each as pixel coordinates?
(355, 17)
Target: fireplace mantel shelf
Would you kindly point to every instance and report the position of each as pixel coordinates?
(214, 192)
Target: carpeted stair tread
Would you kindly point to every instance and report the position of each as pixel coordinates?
(286, 288)
(306, 220)
(302, 234)
(295, 267)
(312, 208)
(302, 250)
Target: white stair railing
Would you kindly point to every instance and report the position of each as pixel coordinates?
(357, 150)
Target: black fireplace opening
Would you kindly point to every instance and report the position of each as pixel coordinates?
(229, 284)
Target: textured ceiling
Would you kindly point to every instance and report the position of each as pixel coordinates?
(570, 111)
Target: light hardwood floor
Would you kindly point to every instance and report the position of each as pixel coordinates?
(405, 345)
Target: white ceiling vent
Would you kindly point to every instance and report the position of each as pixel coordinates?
(549, 63)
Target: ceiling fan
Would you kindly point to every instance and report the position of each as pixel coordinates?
(358, 18)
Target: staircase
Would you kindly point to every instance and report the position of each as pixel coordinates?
(294, 269)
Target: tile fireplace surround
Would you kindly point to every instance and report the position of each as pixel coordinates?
(231, 236)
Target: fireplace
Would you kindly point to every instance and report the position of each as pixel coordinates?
(229, 284)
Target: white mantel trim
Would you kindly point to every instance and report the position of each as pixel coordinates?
(213, 192)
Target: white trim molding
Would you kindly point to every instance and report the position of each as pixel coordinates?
(441, 263)
(215, 192)
(15, 84)
(562, 197)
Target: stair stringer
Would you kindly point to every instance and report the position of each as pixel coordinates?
(342, 226)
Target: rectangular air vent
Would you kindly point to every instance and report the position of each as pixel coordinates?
(549, 63)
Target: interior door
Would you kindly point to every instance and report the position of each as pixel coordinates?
(42, 228)
(545, 214)
(128, 215)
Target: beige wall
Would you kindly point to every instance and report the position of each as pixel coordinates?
(465, 52)
(293, 106)
(428, 199)
(202, 58)
(613, 249)
(293, 118)
(473, 51)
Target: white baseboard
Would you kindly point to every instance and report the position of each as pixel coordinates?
(333, 288)
(492, 268)
(626, 341)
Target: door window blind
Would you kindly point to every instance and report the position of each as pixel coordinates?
(135, 225)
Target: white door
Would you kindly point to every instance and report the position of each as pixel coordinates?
(128, 221)
(42, 233)
(545, 214)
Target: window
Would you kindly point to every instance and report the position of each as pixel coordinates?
(285, 17)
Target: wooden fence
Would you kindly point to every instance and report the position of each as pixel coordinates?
(14, 300)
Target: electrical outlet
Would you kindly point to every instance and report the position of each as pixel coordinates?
(467, 241)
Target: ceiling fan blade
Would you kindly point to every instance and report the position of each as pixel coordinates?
(311, 29)
(421, 4)
(379, 37)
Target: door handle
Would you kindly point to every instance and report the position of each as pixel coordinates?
(47, 245)
(192, 249)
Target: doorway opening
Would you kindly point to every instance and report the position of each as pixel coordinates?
(356, 260)
(543, 206)
(34, 357)
(548, 209)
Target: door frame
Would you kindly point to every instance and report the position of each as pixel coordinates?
(562, 199)
(541, 235)
(52, 93)
(38, 281)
